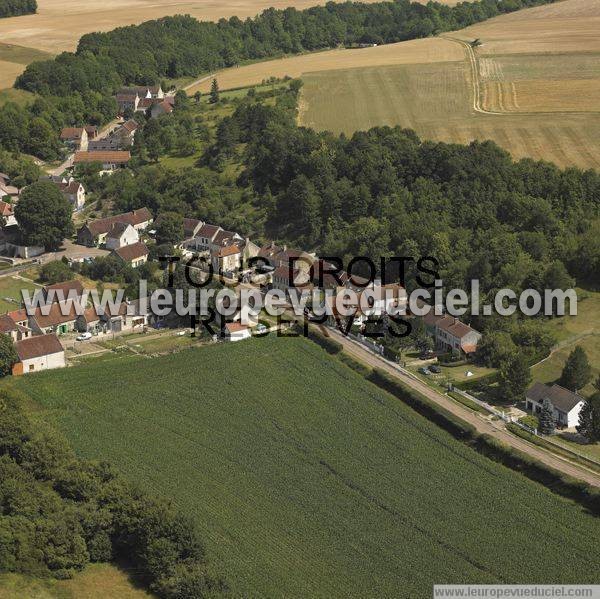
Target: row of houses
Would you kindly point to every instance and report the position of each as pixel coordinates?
(36, 335)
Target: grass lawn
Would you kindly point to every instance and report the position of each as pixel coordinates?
(307, 481)
(571, 331)
(566, 439)
(10, 292)
(97, 581)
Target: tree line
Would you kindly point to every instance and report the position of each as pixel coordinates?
(77, 88)
(59, 512)
(14, 8)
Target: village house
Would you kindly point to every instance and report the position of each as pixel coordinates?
(60, 318)
(121, 138)
(227, 259)
(160, 108)
(450, 334)
(134, 98)
(110, 161)
(566, 404)
(76, 138)
(94, 233)
(135, 254)
(121, 234)
(58, 292)
(280, 256)
(72, 190)
(42, 352)
(235, 331)
(14, 330)
(8, 214)
(10, 193)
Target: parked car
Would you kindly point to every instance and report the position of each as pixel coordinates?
(84, 336)
(424, 370)
(435, 369)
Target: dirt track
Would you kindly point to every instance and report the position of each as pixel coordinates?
(483, 426)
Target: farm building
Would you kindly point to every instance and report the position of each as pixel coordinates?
(235, 331)
(42, 352)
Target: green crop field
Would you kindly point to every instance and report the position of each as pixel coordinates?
(308, 481)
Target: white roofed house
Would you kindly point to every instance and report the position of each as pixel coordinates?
(566, 404)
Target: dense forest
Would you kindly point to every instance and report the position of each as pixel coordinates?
(59, 512)
(382, 192)
(14, 8)
(77, 88)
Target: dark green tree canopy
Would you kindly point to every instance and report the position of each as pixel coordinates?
(44, 215)
(577, 372)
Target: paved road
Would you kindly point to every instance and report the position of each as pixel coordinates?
(483, 426)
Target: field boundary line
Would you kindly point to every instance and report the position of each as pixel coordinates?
(476, 89)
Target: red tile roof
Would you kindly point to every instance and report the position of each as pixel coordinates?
(7, 324)
(6, 209)
(114, 156)
(132, 252)
(230, 250)
(104, 225)
(40, 345)
(71, 133)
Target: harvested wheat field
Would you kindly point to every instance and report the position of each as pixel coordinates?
(13, 60)
(429, 50)
(9, 71)
(435, 100)
(59, 24)
(533, 87)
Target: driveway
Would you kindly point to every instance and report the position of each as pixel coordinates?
(73, 251)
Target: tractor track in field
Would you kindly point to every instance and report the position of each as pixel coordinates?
(476, 89)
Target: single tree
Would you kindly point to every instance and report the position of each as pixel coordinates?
(589, 419)
(577, 372)
(547, 418)
(8, 355)
(198, 96)
(214, 92)
(169, 228)
(44, 215)
(514, 377)
(55, 272)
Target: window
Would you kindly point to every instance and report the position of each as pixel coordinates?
(31, 367)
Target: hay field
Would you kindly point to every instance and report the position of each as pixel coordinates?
(59, 24)
(435, 101)
(429, 50)
(14, 59)
(569, 26)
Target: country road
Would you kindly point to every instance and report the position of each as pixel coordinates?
(483, 426)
